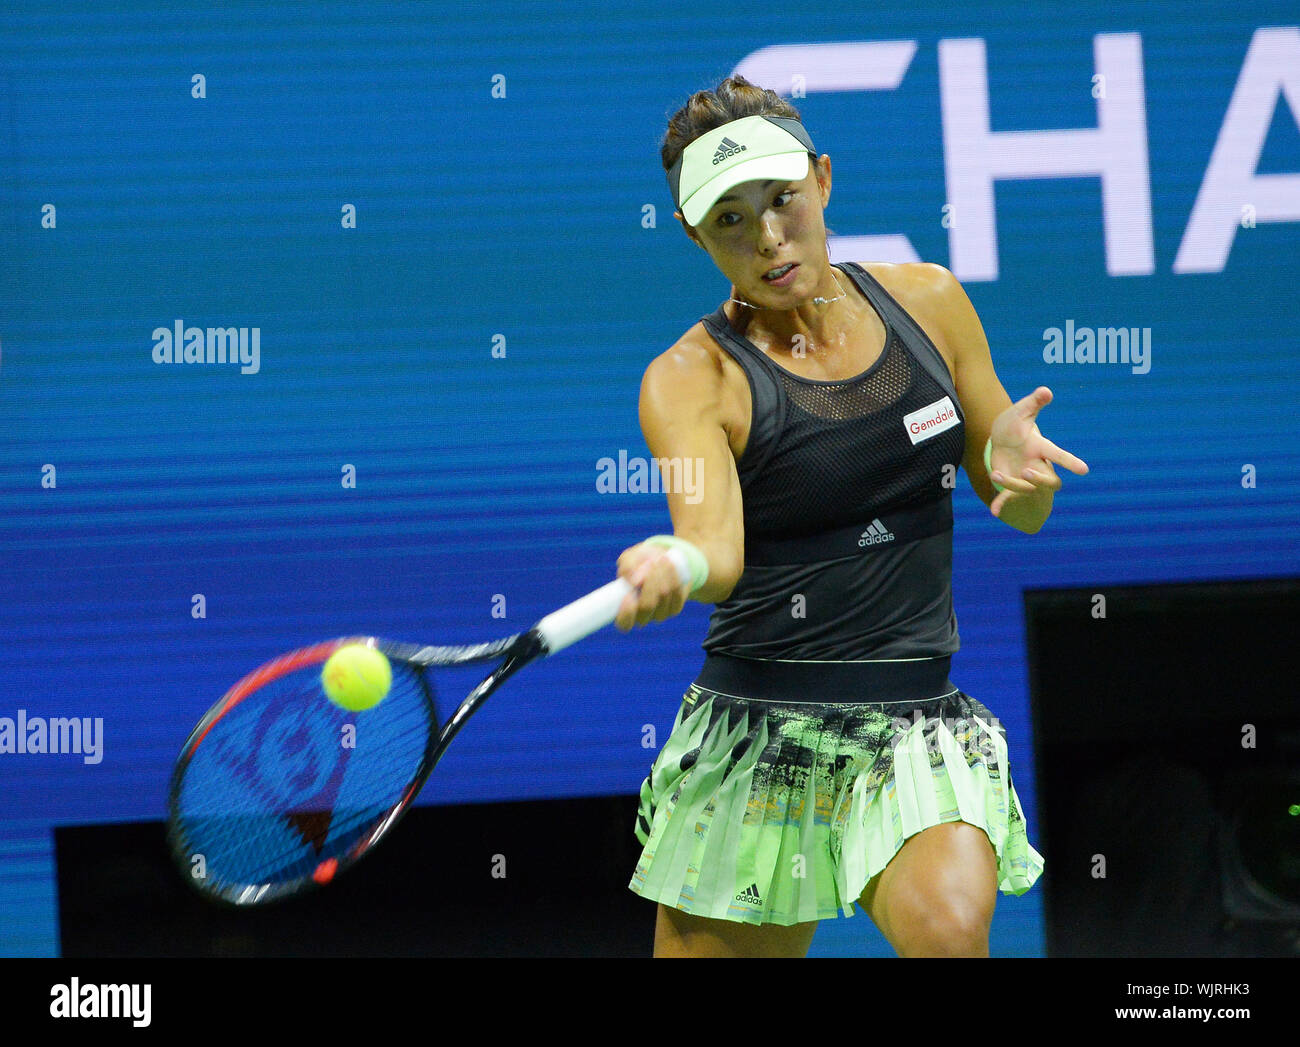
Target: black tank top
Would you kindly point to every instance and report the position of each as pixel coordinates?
(847, 491)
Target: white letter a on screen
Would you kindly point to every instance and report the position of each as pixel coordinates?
(1271, 71)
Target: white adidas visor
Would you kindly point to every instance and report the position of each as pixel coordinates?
(751, 149)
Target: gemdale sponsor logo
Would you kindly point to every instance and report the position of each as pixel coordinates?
(179, 344)
(653, 476)
(23, 735)
(929, 421)
(1098, 345)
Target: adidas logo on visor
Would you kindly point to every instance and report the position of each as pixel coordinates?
(726, 148)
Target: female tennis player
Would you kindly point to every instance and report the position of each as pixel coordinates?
(822, 756)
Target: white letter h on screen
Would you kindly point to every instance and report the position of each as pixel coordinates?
(1116, 150)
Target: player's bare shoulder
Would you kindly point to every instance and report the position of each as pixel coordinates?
(693, 358)
(695, 378)
(928, 292)
(926, 286)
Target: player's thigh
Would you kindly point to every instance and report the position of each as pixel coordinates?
(679, 934)
(938, 893)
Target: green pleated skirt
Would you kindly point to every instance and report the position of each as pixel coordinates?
(781, 812)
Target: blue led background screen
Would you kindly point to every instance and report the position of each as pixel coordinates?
(447, 232)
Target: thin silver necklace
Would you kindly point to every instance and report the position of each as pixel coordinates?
(814, 301)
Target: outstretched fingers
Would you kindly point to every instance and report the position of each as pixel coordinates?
(1052, 453)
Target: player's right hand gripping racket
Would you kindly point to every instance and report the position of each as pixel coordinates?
(269, 799)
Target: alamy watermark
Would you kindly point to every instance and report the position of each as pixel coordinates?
(72, 999)
(1098, 345)
(179, 344)
(60, 735)
(637, 475)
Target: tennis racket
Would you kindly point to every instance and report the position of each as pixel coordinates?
(277, 790)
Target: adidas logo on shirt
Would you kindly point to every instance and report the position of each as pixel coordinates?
(875, 534)
(727, 148)
(750, 895)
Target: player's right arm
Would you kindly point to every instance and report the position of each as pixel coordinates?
(682, 410)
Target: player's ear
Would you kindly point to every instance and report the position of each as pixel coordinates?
(822, 168)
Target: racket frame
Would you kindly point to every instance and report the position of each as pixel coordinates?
(551, 634)
(514, 652)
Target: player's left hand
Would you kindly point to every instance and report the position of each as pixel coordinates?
(1022, 457)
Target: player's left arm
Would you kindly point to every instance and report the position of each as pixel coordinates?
(1022, 457)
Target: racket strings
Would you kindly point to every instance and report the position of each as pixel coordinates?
(286, 780)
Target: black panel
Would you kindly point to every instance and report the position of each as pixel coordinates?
(427, 890)
(1139, 722)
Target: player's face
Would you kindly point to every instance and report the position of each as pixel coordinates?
(758, 227)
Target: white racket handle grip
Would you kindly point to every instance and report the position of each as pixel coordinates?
(596, 610)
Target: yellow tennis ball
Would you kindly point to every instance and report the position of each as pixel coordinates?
(356, 677)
